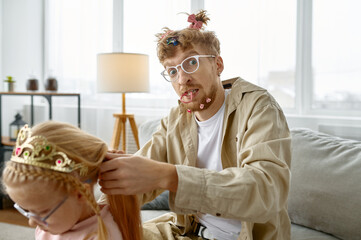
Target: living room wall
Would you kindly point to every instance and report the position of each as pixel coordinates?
(22, 40)
(21, 51)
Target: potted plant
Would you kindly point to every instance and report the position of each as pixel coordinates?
(11, 82)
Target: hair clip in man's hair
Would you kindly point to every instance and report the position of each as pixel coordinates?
(173, 40)
(166, 34)
(194, 23)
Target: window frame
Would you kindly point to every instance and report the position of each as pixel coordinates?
(303, 68)
(304, 76)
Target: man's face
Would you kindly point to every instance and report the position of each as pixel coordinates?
(194, 89)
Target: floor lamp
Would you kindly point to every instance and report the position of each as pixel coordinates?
(122, 73)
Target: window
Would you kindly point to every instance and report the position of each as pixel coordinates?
(140, 26)
(336, 52)
(79, 29)
(76, 31)
(306, 67)
(258, 43)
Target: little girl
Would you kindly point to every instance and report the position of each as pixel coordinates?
(51, 176)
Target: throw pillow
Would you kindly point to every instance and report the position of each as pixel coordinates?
(325, 191)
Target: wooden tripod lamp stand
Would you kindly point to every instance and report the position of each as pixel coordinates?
(123, 73)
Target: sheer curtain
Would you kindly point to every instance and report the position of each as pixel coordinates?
(258, 43)
(76, 30)
(140, 26)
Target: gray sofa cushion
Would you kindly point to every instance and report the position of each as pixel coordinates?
(303, 233)
(325, 189)
(159, 203)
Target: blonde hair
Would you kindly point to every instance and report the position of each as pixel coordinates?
(84, 148)
(187, 39)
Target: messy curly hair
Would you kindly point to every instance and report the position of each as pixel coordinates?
(187, 38)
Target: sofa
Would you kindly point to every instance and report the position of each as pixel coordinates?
(325, 192)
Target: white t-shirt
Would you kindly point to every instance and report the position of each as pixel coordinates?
(209, 157)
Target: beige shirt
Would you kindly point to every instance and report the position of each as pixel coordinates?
(256, 156)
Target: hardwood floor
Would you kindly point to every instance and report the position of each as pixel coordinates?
(12, 216)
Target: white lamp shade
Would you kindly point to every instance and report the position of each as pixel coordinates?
(123, 72)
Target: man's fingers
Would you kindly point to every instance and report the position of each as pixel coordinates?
(112, 155)
(117, 190)
(116, 151)
(114, 184)
(131, 174)
(110, 165)
(110, 175)
(113, 191)
(114, 161)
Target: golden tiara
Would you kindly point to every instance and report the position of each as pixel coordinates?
(37, 151)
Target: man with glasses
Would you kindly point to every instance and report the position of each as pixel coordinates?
(224, 154)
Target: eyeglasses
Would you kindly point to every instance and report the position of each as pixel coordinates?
(37, 218)
(189, 65)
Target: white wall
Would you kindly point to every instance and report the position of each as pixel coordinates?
(21, 51)
(22, 39)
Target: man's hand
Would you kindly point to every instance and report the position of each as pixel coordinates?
(115, 151)
(130, 175)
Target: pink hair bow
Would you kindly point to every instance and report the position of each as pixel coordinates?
(194, 23)
(166, 34)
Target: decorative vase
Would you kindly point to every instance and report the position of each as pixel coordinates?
(32, 85)
(51, 84)
(11, 86)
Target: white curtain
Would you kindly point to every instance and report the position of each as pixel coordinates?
(76, 30)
